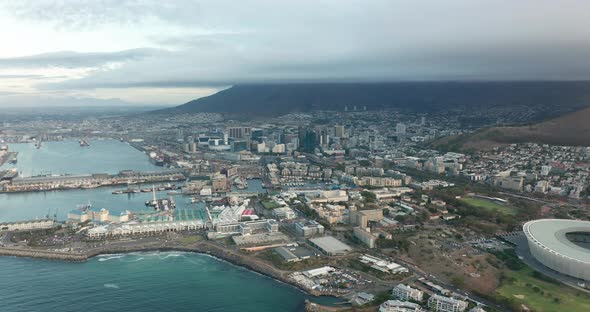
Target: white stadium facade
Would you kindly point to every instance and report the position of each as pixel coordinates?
(562, 245)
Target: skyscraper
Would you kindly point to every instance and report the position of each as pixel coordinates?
(339, 131)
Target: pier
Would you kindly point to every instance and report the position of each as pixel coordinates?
(61, 182)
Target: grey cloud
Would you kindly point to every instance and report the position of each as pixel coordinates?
(222, 42)
(69, 59)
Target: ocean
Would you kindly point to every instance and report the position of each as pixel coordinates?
(145, 281)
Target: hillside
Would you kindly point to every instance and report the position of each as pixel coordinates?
(570, 129)
(541, 99)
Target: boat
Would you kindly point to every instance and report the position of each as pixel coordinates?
(154, 201)
(241, 183)
(84, 143)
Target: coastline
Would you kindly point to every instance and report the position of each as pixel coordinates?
(200, 248)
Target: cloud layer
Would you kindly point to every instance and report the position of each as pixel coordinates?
(167, 45)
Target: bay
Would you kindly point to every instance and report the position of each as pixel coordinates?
(146, 281)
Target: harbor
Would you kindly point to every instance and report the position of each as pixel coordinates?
(68, 157)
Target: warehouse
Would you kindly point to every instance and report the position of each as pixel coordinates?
(330, 246)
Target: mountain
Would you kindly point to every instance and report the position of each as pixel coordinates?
(571, 129)
(544, 98)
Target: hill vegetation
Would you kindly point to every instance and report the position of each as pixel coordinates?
(571, 129)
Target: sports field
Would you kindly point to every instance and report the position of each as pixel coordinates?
(488, 204)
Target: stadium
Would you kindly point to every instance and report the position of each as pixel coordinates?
(562, 245)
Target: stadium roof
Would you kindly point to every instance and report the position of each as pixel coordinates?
(551, 234)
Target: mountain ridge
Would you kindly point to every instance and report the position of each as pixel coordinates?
(277, 99)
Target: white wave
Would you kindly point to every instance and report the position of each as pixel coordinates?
(113, 286)
(111, 258)
(172, 254)
(109, 255)
(136, 260)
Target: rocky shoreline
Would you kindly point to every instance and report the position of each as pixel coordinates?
(202, 248)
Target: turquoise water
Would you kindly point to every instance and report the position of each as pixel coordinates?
(108, 156)
(150, 281)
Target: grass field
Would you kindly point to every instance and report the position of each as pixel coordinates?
(268, 204)
(488, 205)
(541, 296)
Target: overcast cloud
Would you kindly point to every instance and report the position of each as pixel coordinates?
(169, 52)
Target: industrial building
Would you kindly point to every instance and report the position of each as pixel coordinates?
(382, 265)
(293, 253)
(562, 245)
(330, 246)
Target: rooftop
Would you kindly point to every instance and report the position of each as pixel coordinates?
(551, 234)
(330, 244)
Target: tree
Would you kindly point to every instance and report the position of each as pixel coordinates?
(370, 197)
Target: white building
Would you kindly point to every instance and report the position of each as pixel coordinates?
(404, 293)
(284, 213)
(446, 304)
(27, 225)
(399, 306)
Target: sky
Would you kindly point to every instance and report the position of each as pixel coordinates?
(153, 52)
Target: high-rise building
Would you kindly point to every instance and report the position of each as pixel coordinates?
(324, 137)
(307, 140)
(179, 135)
(339, 131)
(400, 128)
(238, 132)
(256, 134)
(238, 145)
